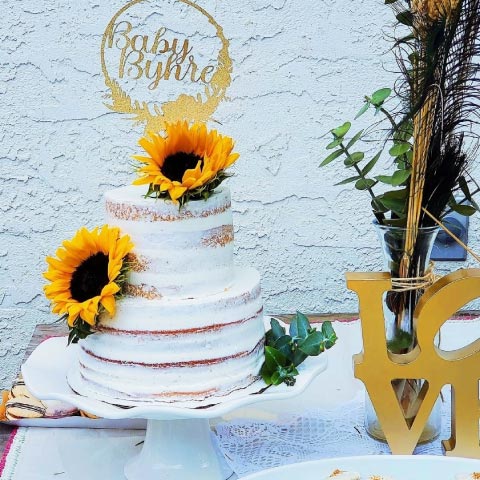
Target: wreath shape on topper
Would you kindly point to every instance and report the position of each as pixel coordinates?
(196, 108)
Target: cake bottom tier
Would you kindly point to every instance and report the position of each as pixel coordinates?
(174, 350)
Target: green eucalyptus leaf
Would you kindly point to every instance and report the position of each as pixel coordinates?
(395, 200)
(276, 378)
(298, 357)
(363, 109)
(274, 358)
(329, 334)
(388, 179)
(284, 345)
(380, 96)
(466, 210)
(342, 130)
(266, 374)
(277, 329)
(332, 157)
(355, 138)
(368, 167)
(299, 326)
(348, 180)
(399, 149)
(399, 177)
(463, 184)
(365, 183)
(313, 345)
(378, 207)
(334, 144)
(354, 158)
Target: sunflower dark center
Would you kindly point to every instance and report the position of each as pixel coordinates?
(174, 166)
(90, 277)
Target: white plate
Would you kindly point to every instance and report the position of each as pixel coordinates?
(398, 467)
(45, 374)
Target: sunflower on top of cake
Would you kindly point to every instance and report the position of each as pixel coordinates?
(186, 164)
(174, 319)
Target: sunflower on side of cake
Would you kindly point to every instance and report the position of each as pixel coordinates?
(86, 277)
(188, 163)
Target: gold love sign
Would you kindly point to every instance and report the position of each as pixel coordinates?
(377, 367)
(164, 61)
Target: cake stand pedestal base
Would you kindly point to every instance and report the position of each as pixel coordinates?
(178, 450)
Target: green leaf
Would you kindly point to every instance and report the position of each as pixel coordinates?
(276, 379)
(464, 187)
(355, 138)
(365, 183)
(462, 182)
(274, 358)
(399, 177)
(395, 200)
(331, 157)
(380, 96)
(298, 357)
(334, 144)
(363, 109)
(466, 210)
(348, 180)
(284, 345)
(277, 330)
(329, 334)
(299, 326)
(353, 159)
(342, 130)
(388, 179)
(368, 167)
(399, 149)
(313, 345)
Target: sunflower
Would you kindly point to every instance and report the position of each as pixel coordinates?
(187, 164)
(86, 276)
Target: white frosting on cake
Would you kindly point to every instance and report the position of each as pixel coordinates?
(191, 325)
(174, 349)
(182, 253)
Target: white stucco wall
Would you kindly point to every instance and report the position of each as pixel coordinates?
(300, 67)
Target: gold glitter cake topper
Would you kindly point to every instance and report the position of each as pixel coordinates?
(159, 57)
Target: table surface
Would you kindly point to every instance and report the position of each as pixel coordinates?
(58, 329)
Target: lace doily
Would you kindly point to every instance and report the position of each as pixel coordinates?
(253, 445)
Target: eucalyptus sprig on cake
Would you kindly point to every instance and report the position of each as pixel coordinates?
(86, 277)
(188, 163)
(285, 352)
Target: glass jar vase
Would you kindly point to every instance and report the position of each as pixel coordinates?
(398, 308)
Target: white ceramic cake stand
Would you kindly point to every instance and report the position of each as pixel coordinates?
(178, 443)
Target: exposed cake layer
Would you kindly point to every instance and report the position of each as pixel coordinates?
(175, 349)
(179, 253)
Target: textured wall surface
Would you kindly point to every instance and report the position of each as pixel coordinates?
(300, 68)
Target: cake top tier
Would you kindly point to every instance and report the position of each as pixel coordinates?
(178, 252)
(129, 203)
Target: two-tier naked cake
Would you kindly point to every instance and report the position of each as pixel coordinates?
(190, 324)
